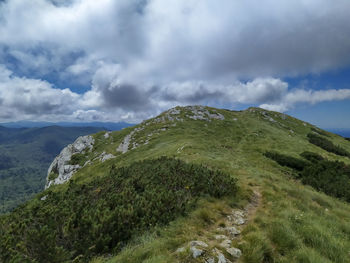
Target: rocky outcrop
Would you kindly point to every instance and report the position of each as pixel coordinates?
(60, 170)
(124, 145)
(201, 113)
(106, 156)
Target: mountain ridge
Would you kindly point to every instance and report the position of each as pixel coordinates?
(293, 222)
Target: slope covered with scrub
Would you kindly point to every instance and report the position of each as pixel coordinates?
(291, 221)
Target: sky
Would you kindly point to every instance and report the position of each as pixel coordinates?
(129, 60)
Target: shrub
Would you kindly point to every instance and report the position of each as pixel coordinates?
(311, 156)
(78, 158)
(327, 145)
(286, 160)
(53, 176)
(330, 177)
(103, 215)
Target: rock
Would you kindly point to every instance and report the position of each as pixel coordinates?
(196, 252)
(104, 156)
(124, 146)
(234, 252)
(180, 250)
(61, 166)
(174, 111)
(107, 134)
(231, 231)
(239, 221)
(221, 258)
(210, 260)
(226, 243)
(198, 243)
(201, 113)
(238, 217)
(43, 198)
(218, 237)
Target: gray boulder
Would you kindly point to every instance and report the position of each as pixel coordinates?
(234, 252)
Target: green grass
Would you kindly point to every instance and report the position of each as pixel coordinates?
(294, 222)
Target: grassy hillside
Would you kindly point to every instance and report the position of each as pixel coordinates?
(292, 222)
(25, 155)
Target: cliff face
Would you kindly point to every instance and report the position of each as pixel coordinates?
(61, 169)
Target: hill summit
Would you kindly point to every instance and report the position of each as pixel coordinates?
(194, 184)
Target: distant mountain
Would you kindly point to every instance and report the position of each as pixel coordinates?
(25, 155)
(112, 126)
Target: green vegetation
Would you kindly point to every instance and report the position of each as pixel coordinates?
(53, 176)
(327, 145)
(78, 158)
(25, 157)
(293, 222)
(330, 177)
(311, 156)
(320, 132)
(285, 160)
(103, 215)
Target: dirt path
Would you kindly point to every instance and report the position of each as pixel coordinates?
(253, 205)
(219, 239)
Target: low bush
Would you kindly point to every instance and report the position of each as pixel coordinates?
(330, 177)
(78, 158)
(53, 176)
(311, 156)
(327, 145)
(286, 160)
(103, 215)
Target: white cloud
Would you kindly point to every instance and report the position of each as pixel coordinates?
(29, 97)
(178, 40)
(109, 99)
(140, 57)
(298, 96)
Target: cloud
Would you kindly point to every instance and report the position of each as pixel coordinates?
(298, 96)
(113, 99)
(257, 91)
(31, 97)
(138, 57)
(184, 39)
